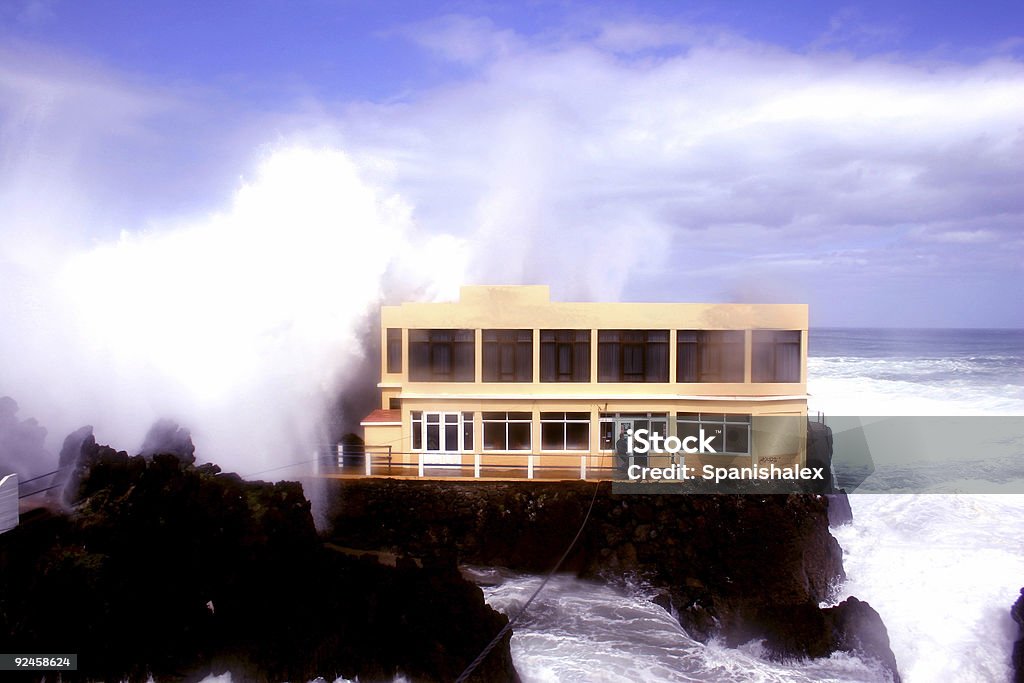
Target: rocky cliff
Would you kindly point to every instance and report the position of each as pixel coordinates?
(169, 570)
(737, 567)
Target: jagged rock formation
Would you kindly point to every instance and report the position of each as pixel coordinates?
(174, 571)
(839, 510)
(166, 436)
(738, 567)
(1017, 612)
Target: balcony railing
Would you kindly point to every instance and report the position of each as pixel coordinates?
(383, 461)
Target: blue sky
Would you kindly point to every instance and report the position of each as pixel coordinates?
(193, 192)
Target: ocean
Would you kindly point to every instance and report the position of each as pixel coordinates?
(941, 569)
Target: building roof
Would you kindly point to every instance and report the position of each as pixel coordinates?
(383, 417)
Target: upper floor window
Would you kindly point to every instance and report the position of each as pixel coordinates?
(709, 355)
(394, 350)
(508, 355)
(632, 356)
(441, 356)
(565, 355)
(775, 356)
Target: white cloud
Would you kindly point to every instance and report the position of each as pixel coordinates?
(639, 149)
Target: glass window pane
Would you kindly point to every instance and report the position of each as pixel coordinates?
(417, 434)
(494, 436)
(607, 435)
(685, 429)
(552, 436)
(737, 439)
(467, 432)
(433, 436)
(519, 436)
(394, 350)
(577, 436)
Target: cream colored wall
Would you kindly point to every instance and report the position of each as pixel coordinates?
(529, 307)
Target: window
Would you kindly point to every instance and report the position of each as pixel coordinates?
(394, 360)
(441, 356)
(565, 355)
(565, 431)
(508, 355)
(417, 430)
(507, 431)
(632, 356)
(729, 433)
(467, 432)
(709, 355)
(394, 404)
(435, 431)
(775, 356)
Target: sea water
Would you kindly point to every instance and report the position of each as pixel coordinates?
(941, 569)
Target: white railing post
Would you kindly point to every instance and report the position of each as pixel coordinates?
(529, 466)
(583, 467)
(421, 464)
(368, 461)
(476, 465)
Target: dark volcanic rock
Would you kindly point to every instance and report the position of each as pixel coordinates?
(176, 572)
(839, 510)
(851, 626)
(166, 436)
(738, 567)
(1017, 612)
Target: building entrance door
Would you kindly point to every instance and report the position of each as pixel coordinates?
(441, 439)
(623, 452)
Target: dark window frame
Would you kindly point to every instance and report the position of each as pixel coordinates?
(507, 355)
(633, 356)
(431, 351)
(393, 347)
(776, 356)
(710, 356)
(551, 423)
(490, 422)
(565, 355)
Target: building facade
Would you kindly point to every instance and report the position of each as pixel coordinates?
(506, 378)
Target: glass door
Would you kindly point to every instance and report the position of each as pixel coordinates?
(441, 438)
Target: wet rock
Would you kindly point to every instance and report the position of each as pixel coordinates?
(176, 572)
(1017, 658)
(167, 437)
(839, 510)
(733, 567)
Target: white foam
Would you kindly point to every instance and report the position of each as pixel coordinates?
(943, 571)
(584, 631)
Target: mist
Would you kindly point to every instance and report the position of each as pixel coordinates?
(242, 325)
(179, 250)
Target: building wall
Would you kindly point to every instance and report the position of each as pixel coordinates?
(482, 308)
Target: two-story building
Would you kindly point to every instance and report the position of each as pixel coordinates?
(504, 378)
